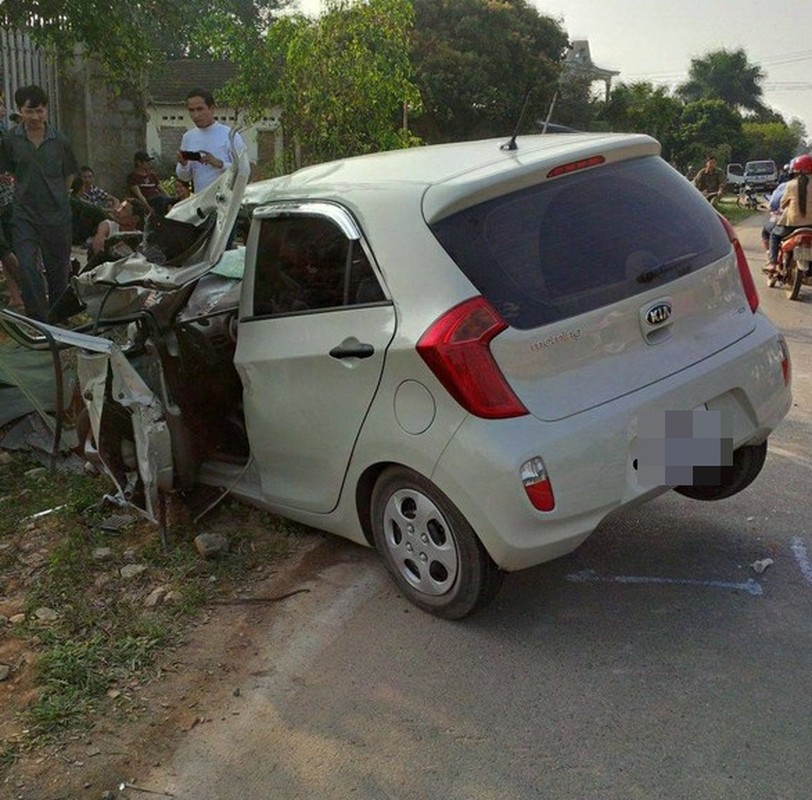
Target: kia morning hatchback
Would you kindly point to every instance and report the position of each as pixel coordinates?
(464, 355)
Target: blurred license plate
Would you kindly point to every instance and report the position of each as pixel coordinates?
(683, 448)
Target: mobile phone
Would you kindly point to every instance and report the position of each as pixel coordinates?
(191, 155)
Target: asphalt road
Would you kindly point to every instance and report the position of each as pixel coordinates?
(654, 662)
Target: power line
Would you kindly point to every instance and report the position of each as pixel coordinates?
(770, 61)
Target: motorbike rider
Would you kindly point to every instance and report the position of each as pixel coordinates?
(774, 207)
(710, 180)
(796, 208)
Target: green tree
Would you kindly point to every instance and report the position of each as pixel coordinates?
(707, 127)
(799, 129)
(128, 39)
(577, 105)
(773, 140)
(725, 75)
(476, 60)
(345, 79)
(643, 108)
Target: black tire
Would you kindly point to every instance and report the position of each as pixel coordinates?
(432, 552)
(795, 279)
(747, 463)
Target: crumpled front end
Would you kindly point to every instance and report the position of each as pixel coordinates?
(157, 321)
(128, 422)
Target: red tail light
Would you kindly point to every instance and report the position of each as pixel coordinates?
(456, 348)
(786, 363)
(744, 268)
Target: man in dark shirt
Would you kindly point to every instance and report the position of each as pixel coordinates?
(43, 164)
(710, 180)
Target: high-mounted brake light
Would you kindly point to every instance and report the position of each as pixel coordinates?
(746, 276)
(456, 349)
(574, 166)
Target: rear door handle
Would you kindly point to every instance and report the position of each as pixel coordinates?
(352, 348)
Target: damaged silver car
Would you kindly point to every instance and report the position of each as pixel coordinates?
(462, 354)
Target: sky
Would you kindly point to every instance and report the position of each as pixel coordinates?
(652, 40)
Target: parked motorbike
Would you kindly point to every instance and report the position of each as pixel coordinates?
(795, 263)
(748, 198)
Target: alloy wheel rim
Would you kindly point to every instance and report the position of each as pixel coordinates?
(421, 542)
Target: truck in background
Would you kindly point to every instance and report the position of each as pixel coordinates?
(761, 175)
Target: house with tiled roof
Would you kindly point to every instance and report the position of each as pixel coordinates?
(168, 119)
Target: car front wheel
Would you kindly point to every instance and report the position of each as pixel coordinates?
(432, 552)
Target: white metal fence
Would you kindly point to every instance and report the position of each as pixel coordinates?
(24, 63)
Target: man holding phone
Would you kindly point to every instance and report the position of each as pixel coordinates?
(205, 150)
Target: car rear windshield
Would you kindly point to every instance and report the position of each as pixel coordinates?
(584, 241)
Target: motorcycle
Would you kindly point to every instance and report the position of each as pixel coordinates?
(795, 263)
(748, 198)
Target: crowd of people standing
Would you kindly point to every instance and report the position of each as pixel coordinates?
(47, 202)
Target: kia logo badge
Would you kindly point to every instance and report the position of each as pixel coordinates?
(658, 314)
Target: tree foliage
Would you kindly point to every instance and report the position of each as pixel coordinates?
(345, 79)
(708, 127)
(644, 108)
(769, 140)
(475, 61)
(725, 75)
(705, 116)
(577, 104)
(127, 39)
(358, 77)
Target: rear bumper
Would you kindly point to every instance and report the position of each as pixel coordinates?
(589, 456)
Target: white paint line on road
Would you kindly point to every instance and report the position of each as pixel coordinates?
(798, 458)
(590, 576)
(802, 557)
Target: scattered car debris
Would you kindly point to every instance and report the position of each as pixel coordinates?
(116, 522)
(47, 511)
(761, 565)
(127, 785)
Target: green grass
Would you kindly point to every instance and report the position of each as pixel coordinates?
(9, 753)
(727, 208)
(104, 637)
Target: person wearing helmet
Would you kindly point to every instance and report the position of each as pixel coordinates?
(796, 207)
(774, 207)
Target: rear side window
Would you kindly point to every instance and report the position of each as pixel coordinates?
(306, 263)
(584, 241)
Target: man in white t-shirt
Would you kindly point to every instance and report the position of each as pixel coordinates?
(205, 151)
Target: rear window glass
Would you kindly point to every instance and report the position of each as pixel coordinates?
(588, 240)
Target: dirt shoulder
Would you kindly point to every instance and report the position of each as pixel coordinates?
(112, 648)
(188, 687)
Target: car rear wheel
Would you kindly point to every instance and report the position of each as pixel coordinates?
(747, 463)
(428, 546)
